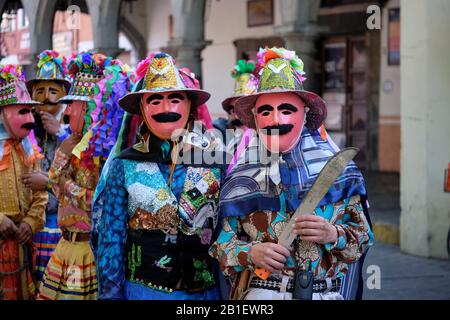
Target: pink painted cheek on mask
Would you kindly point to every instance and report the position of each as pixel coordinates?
(289, 140)
(17, 120)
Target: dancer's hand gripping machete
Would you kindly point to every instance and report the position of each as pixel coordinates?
(330, 172)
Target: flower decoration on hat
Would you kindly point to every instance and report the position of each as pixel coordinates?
(13, 88)
(10, 72)
(243, 67)
(53, 56)
(89, 62)
(265, 55)
(52, 66)
(245, 76)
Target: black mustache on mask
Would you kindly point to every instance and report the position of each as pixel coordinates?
(167, 117)
(29, 126)
(50, 103)
(66, 119)
(236, 123)
(280, 130)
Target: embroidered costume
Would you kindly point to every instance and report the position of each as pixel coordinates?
(50, 85)
(98, 83)
(261, 193)
(22, 211)
(160, 208)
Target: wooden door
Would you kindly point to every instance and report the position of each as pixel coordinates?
(356, 128)
(344, 88)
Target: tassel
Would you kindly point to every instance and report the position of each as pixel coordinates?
(174, 164)
(323, 133)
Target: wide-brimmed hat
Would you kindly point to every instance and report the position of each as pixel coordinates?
(87, 70)
(52, 66)
(158, 74)
(13, 89)
(282, 72)
(246, 82)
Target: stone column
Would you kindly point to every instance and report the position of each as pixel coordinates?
(299, 30)
(40, 16)
(189, 39)
(2, 4)
(425, 127)
(105, 15)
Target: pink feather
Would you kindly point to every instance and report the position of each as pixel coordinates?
(142, 67)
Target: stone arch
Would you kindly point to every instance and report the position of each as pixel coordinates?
(39, 26)
(105, 22)
(41, 23)
(135, 37)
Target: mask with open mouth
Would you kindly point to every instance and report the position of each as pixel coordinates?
(165, 112)
(279, 119)
(18, 120)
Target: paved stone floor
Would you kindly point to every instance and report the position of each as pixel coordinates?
(407, 277)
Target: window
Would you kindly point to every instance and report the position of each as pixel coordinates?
(23, 19)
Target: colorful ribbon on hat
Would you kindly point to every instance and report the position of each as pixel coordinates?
(10, 72)
(243, 67)
(106, 115)
(52, 55)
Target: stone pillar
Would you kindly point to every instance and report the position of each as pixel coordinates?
(425, 126)
(189, 39)
(105, 15)
(2, 4)
(299, 30)
(40, 16)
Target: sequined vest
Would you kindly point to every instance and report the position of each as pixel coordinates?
(168, 238)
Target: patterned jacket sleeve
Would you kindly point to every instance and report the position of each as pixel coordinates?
(112, 236)
(354, 233)
(60, 166)
(232, 253)
(35, 216)
(78, 195)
